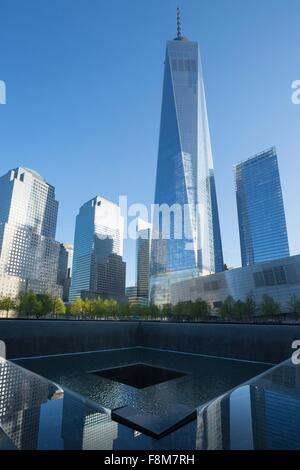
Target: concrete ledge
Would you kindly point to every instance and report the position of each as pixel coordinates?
(263, 343)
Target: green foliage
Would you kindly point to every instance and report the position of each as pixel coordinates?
(124, 310)
(250, 306)
(201, 309)
(154, 311)
(238, 309)
(46, 304)
(38, 305)
(268, 306)
(165, 312)
(7, 304)
(30, 305)
(295, 305)
(227, 308)
(59, 307)
(107, 308)
(189, 311)
(76, 307)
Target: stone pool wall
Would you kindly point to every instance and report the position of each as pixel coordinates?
(45, 337)
(265, 343)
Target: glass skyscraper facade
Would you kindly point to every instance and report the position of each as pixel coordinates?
(28, 250)
(143, 259)
(98, 268)
(185, 176)
(262, 223)
(65, 263)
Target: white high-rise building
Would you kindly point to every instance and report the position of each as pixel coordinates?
(28, 250)
(98, 247)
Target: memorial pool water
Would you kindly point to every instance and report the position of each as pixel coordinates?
(156, 380)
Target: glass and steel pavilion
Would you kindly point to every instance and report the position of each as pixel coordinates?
(185, 177)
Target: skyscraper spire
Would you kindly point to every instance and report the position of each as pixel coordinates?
(178, 24)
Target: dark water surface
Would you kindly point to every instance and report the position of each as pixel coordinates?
(198, 378)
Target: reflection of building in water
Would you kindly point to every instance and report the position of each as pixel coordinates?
(182, 439)
(21, 395)
(263, 415)
(276, 410)
(73, 411)
(212, 432)
(99, 432)
(85, 428)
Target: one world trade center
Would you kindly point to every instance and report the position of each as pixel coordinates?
(185, 177)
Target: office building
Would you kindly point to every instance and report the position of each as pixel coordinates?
(143, 260)
(98, 268)
(262, 224)
(279, 279)
(28, 250)
(131, 295)
(185, 176)
(65, 268)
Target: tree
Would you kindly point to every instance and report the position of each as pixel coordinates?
(176, 313)
(87, 306)
(250, 306)
(98, 308)
(7, 304)
(154, 311)
(268, 306)
(30, 305)
(144, 311)
(165, 312)
(76, 307)
(124, 310)
(110, 307)
(46, 302)
(227, 307)
(59, 307)
(295, 305)
(240, 310)
(201, 309)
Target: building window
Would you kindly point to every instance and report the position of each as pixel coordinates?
(280, 275)
(269, 277)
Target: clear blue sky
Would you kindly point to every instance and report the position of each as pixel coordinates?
(84, 85)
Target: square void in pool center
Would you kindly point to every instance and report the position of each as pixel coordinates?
(139, 375)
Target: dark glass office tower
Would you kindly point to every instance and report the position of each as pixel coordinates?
(64, 274)
(98, 268)
(185, 176)
(262, 224)
(142, 260)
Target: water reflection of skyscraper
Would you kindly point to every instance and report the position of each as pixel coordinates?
(37, 414)
(261, 415)
(21, 395)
